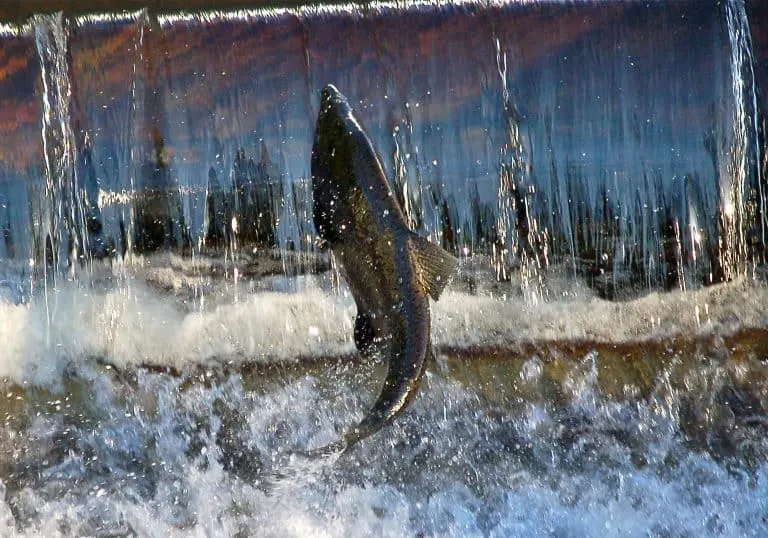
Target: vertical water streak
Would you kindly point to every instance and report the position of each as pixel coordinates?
(136, 136)
(737, 167)
(742, 53)
(517, 228)
(61, 238)
(408, 178)
(510, 155)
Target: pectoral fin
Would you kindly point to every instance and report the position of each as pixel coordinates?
(365, 332)
(433, 265)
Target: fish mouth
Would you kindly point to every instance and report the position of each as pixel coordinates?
(333, 101)
(331, 93)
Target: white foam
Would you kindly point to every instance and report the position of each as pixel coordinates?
(132, 325)
(466, 321)
(132, 322)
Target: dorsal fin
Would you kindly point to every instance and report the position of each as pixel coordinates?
(434, 266)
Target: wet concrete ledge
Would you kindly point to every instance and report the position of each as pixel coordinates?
(19, 11)
(532, 370)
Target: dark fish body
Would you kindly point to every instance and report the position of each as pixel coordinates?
(390, 271)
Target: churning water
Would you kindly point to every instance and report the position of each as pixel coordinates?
(171, 339)
(132, 410)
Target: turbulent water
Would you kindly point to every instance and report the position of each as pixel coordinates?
(172, 340)
(162, 399)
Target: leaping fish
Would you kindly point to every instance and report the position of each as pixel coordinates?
(390, 270)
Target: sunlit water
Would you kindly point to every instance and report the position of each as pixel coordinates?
(568, 152)
(139, 407)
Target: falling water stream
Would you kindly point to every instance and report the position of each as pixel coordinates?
(171, 333)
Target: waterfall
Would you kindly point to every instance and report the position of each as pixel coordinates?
(616, 143)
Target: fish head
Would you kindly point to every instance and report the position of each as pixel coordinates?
(336, 125)
(333, 165)
(332, 100)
